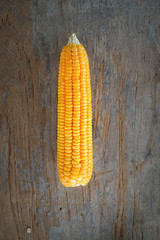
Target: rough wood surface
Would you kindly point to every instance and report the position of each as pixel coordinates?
(121, 202)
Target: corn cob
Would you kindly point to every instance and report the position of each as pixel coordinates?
(74, 124)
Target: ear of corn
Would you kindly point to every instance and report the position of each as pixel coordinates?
(74, 128)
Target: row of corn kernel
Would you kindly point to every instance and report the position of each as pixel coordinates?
(83, 123)
(89, 120)
(68, 114)
(89, 123)
(61, 104)
(76, 116)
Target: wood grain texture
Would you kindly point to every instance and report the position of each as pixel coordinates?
(121, 202)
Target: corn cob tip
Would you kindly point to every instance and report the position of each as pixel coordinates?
(73, 39)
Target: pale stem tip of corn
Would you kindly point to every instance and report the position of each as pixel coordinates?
(73, 39)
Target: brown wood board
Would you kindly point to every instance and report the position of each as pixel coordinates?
(121, 202)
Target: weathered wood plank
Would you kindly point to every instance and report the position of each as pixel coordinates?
(122, 199)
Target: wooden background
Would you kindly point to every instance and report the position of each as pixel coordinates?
(122, 39)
